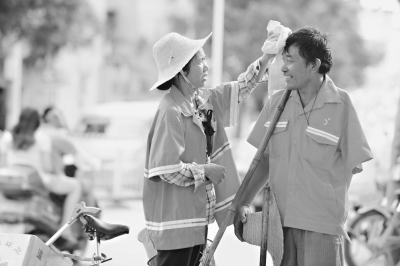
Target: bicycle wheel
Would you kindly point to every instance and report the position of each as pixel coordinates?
(363, 229)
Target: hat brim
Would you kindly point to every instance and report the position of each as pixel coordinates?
(201, 43)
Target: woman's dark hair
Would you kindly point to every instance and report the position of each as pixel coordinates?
(46, 111)
(23, 133)
(312, 44)
(166, 85)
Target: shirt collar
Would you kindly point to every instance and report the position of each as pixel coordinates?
(182, 103)
(327, 94)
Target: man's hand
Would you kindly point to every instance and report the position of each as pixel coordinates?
(214, 172)
(240, 219)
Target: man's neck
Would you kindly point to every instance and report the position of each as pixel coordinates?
(310, 92)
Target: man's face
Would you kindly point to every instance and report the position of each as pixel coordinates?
(198, 70)
(295, 69)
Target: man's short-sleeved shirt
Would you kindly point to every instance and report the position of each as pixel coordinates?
(312, 163)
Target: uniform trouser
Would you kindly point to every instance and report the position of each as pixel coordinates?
(306, 248)
(180, 257)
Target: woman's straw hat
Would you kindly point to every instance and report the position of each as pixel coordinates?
(172, 52)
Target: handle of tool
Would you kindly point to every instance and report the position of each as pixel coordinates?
(264, 236)
(257, 158)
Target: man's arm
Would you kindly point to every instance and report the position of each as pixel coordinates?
(257, 182)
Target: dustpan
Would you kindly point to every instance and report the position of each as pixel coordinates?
(252, 229)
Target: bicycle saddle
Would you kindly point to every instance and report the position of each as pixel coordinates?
(105, 230)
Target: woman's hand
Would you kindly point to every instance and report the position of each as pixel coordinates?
(240, 219)
(214, 172)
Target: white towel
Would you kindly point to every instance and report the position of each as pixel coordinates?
(274, 45)
(277, 38)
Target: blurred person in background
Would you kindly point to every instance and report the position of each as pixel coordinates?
(54, 117)
(26, 145)
(393, 183)
(55, 126)
(311, 157)
(190, 175)
(68, 158)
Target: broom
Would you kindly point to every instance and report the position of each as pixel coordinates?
(209, 252)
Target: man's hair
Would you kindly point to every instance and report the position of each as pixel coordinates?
(312, 44)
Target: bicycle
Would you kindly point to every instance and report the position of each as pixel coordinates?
(22, 250)
(375, 236)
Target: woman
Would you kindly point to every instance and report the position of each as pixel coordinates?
(190, 175)
(28, 146)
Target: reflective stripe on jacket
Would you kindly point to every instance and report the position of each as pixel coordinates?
(176, 216)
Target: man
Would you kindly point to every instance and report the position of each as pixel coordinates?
(317, 146)
(66, 154)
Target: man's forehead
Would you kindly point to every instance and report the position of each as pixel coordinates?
(293, 51)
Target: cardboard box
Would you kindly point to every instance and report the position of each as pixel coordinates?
(28, 250)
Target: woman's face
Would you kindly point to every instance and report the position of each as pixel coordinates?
(53, 119)
(198, 70)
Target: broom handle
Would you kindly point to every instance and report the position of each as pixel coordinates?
(265, 224)
(249, 174)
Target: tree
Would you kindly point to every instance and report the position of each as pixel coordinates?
(45, 25)
(245, 32)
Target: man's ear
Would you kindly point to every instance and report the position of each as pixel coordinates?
(315, 65)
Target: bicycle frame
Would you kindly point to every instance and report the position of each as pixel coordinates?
(381, 239)
(95, 229)
(79, 210)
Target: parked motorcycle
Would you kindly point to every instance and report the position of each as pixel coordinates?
(27, 207)
(375, 235)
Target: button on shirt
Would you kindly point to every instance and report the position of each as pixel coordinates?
(312, 164)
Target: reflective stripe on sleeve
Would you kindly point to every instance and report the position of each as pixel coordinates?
(168, 169)
(176, 224)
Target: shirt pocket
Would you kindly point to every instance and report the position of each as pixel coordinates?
(278, 141)
(319, 145)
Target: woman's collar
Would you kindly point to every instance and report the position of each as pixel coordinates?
(182, 103)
